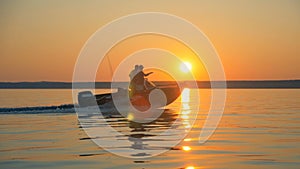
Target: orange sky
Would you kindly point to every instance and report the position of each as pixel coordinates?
(152, 42)
(40, 40)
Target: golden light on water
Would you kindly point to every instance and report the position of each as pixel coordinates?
(185, 111)
(186, 148)
(185, 100)
(185, 96)
(187, 139)
(188, 126)
(190, 167)
(185, 116)
(185, 106)
(130, 116)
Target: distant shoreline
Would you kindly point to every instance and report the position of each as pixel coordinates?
(246, 84)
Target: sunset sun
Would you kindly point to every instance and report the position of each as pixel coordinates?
(185, 67)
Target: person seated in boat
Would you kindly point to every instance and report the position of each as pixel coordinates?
(137, 84)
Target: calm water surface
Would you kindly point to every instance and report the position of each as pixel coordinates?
(260, 128)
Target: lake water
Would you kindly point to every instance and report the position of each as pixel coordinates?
(260, 128)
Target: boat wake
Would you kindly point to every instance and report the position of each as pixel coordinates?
(107, 109)
(64, 108)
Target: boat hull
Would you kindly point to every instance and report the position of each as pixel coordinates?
(140, 101)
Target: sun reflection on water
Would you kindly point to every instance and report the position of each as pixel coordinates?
(190, 167)
(186, 148)
(186, 109)
(187, 139)
(185, 95)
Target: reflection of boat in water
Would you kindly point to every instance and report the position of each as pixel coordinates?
(140, 99)
(143, 133)
(131, 138)
(141, 136)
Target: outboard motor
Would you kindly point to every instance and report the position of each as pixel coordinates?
(86, 98)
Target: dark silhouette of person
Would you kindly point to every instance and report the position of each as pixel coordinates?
(137, 84)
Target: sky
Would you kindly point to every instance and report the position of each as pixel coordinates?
(40, 40)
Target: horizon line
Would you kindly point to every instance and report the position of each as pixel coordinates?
(189, 84)
(260, 80)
